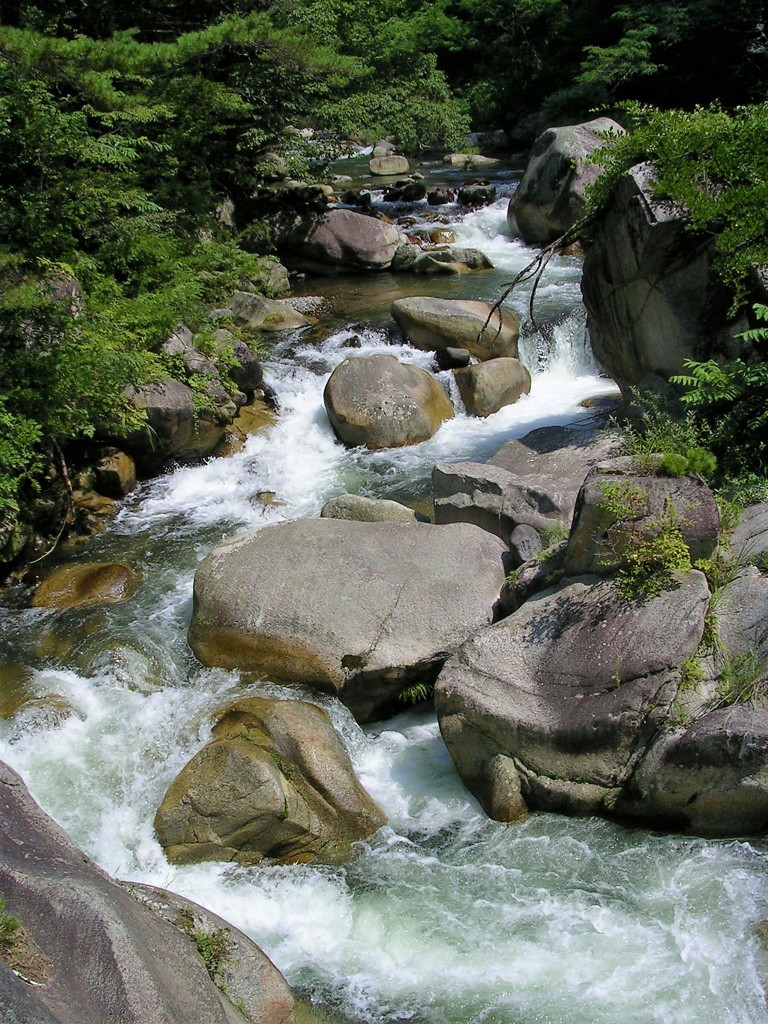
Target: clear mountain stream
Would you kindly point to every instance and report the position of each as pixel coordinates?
(444, 917)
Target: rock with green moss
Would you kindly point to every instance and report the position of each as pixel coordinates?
(274, 783)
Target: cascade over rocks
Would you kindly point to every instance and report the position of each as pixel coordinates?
(274, 783)
(651, 296)
(379, 402)
(555, 706)
(359, 610)
(550, 197)
(432, 324)
(96, 954)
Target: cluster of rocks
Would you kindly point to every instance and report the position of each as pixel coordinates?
(377, 401)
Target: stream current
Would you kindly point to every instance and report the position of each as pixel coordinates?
(443, 917)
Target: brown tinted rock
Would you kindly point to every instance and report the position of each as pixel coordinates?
(432, 324)
(115, 473)
(274, 782)
(487, 387)
(360, 610)
(379, 402)
(260, 314)
(85, 586)
(386, 165)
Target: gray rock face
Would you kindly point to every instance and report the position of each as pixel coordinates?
(105, 956)
(550, 197)
(433, 324)
(598, 539)
(749, 542)
(350, 239)
(360, 610)
(246, 974)
(652, 299)
(554, 706)
(533, 481)
(367, 510)
(487, 387)
(176, 431)
(379, 402)
(274, 783)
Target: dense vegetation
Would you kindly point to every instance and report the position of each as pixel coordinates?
(123, 126)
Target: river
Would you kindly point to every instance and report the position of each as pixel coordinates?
(444, 917)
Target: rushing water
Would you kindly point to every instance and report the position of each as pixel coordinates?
(444, 917)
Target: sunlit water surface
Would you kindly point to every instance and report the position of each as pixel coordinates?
(444, 916)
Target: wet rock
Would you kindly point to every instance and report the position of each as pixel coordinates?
(487, 387)
(441, 236)
(412, 190)
(360, 610)
(452, 358)
(451, 261)
(274, 783)
(379, 402)
(479, 193)
(174, 430)
(367, 510)
(439, 195)
(87, 585)
(550, 197)
(432, 324)
(115, 473)
(99, 945)
(470, 160)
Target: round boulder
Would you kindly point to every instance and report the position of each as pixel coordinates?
(379, 402)
(384, 166)
(347, 238)
(274, 783)
(359, 610)
(85, 586)
(433, 324)
(487, 387)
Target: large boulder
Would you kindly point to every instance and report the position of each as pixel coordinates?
(92, 951)
(550, 197)
(532, 481)
(555, 706)
(433, 324)
(487, 387)
(651, 296)
(359, 610)
(617, 508)
(236, 964)
(349, 239)
(174, 427)
(383, 166)
(379, 402)
(274, 783)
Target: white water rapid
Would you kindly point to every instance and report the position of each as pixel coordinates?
(444, 917)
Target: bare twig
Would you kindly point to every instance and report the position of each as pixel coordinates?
(70, 502)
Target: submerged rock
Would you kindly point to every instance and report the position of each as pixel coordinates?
(379, 402)
(274, 783)
(359, 610)
(433, 324)
(86, 585)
